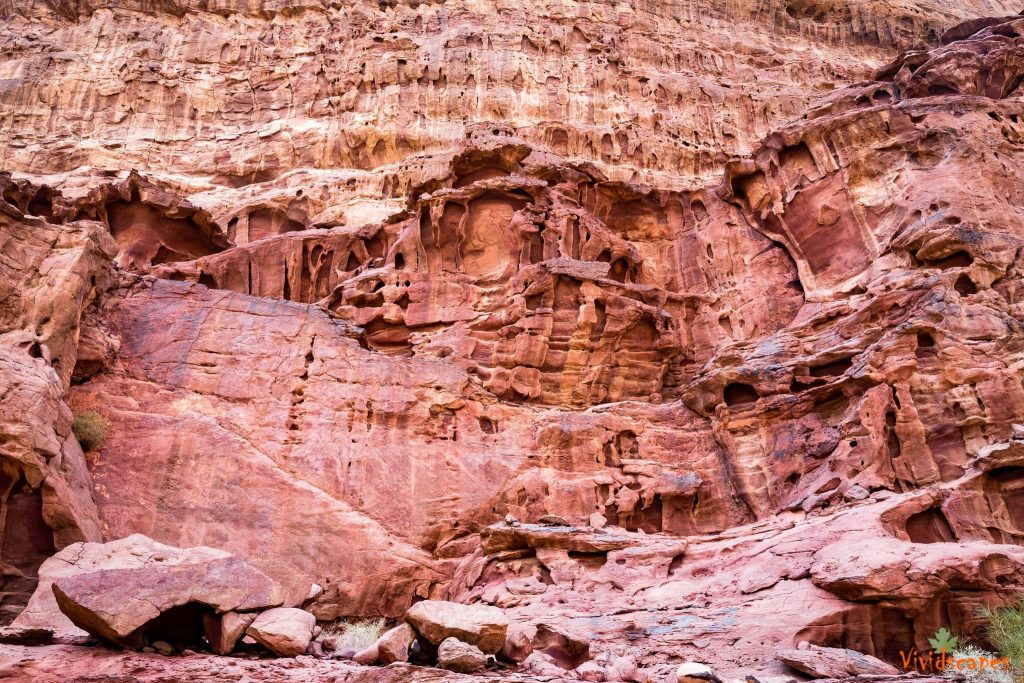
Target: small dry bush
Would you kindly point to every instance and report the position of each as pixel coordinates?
(90, 428)
(978, 674)
(356, 634)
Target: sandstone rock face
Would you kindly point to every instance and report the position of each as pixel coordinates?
(49, 274)
(136, 591)
(479, 625)
(285, 631)
(722, 300)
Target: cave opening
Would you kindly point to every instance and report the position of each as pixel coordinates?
(180, 626)
(738, 393)
(930, 526)
(26, 543)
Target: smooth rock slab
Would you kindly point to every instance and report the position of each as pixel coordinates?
(479, 625)
(285, 631)
(139, 579)
(835, 662)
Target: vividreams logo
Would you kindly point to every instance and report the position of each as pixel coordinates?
(943, 657)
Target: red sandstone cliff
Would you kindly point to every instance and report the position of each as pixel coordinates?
(740, 282)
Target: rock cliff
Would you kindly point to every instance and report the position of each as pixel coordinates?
(734, 289)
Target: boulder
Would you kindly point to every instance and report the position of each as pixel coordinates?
(223, 631)
(695, 672)
(479, 625)
(517, 646)
(367, 655)
(455, 655)
(135, 590)
(393, 645)
(285, 631)
(591, 671)
(835, 662)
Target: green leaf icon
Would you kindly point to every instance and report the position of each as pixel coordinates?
(944, 641)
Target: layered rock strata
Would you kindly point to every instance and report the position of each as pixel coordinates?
(770, 407)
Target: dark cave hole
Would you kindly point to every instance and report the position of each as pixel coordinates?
(353, 262)
(965, 286)
(930, 526)
(738, 393)
(589, 561)
(567, 653)
(959, 259)
(833, 369)
(181, 626)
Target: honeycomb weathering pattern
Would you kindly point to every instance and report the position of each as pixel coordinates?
(738, 281)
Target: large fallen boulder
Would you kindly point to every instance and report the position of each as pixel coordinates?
(285, 631)
(480, 625)
(135, 591)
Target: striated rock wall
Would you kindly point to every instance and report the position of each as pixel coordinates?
(739, 283)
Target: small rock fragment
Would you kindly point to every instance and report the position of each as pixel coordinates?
(554, 520)
(856, 492)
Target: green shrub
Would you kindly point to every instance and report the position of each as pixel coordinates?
(353, 635)
(1006, 632)
(90, 429)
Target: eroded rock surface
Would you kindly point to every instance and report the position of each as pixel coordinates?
(717, 305)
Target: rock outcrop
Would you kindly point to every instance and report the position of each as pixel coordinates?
(610, 335)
